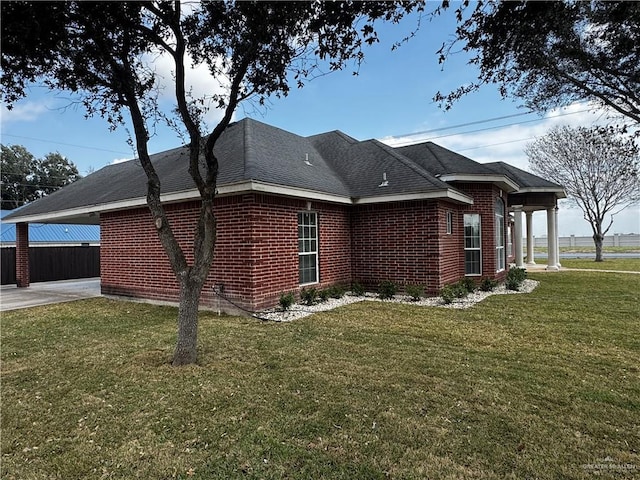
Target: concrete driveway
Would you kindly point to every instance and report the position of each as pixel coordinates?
(45, 293)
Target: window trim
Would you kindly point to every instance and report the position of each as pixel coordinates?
(499, 218)
(449, 222)
(309, 253)
(473, 249)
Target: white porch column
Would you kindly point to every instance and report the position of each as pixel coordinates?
(552, 240)
(555, 216)
(530, 246)
(517, 241)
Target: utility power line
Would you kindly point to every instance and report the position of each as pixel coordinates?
(425, 132)
(66, 144)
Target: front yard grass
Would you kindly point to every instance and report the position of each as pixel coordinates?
(619, 264)
(544, 385)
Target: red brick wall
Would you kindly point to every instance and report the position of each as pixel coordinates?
(484, 197)
(22, 255)
(400, 242)
(451, 245)
(256, 253)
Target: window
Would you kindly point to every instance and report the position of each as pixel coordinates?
(308, 247)
(449, 223)
(472, 248)
(500, 251)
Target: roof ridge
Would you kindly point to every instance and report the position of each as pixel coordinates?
(428, 147)
(407, 161)
(245, 147)
(347, 138)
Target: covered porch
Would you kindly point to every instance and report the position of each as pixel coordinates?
(526, 203)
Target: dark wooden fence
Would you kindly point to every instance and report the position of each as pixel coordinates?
(47, 264)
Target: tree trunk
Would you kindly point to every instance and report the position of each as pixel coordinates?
(187, 344)
(598, 240)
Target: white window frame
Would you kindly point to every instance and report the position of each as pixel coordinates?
(501, 261)
(306, 243)
(467, 222)
(449, 223)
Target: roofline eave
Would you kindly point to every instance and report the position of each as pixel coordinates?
(502, 181)
(88, 212)
(446, 194)
(558, 191)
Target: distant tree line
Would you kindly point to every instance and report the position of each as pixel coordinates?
(26, 178)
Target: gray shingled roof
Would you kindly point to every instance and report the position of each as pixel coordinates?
(441, 161)
(250, 151)
(525, 179)
(364, 165)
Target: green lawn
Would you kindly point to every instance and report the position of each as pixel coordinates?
(591, 250)
(620, 264)
(544, 385)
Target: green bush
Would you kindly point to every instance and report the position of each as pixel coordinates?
(468, 284)
(308, 295)
(387, 289)
(415, 292)
(357, 289)
(460, 289)
(515, 277)
(286, 300)
(323, 295)
(448, 293)
(336, 291)
(488, 284)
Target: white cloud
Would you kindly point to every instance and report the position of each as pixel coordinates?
(23, 112)
(199, 82)
(119, 160)
(507, 144)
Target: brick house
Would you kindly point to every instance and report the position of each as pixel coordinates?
(295, 211)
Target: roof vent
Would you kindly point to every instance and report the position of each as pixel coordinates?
(306, 160)
(385, 182)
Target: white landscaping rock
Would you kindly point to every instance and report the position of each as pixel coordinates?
(298, 310)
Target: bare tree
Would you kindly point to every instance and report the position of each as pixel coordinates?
(597, 167)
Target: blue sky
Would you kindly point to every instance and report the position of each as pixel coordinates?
(390, 99)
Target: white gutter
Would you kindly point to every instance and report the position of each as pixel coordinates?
(450, 194)
(501, 180)
(560, 192)
(91, 211)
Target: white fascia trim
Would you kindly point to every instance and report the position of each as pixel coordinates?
(449, 194)
(502, 180)
(253, 186)
(234, 189)
(274, 189)
(182, 196)
(560, 192)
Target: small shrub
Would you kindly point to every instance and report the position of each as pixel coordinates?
(286, 300)
(415, 292)
(308, 295)
(357, 289)
(460, 289)
(336, 291)
(515, 277)
(468, 284)
(387, 289)
(448, 293)
(323, 295)
(488, 284)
